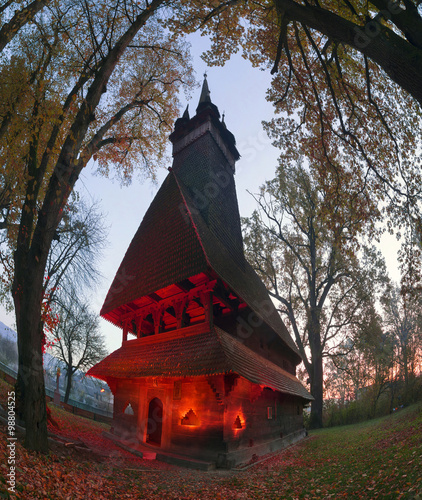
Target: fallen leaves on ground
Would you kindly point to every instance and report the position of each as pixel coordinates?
(380, 459)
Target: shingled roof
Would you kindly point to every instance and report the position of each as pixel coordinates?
(240, 277)
(193, 226)
(173, 243)
(198, 352)
(165, 249)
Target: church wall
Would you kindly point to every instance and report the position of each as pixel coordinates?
(259, 338)
(125, 418)
(264, 415)
(199, 436)
(203, 438)
(207, 418)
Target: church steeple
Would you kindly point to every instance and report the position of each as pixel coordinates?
(205, 153)
(205, 103)
(186, 113)
(205, 92)
(206, 112)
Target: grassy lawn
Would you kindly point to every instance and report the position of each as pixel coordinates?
(377, 459)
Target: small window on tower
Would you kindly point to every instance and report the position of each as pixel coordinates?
(128, 410)
(190, 418)
(238, 423)
(269, 412)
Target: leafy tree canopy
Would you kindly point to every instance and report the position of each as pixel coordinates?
(80, 80)
(324, 283)
(347, 93)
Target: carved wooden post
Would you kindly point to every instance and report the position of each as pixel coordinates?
(206, 300)
(179, 306)
(125, 330)
(156, 314)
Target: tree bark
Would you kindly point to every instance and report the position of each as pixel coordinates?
(34, 243)
(405, 366)
(30, 388)
(316, 391)
(69, 374)
(68, 384)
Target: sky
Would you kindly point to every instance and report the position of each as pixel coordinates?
(238, 90)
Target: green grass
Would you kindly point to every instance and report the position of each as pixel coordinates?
(381, 458)
(378, 459)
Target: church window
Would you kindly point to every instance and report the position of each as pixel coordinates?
(190, 418)
(238, 423)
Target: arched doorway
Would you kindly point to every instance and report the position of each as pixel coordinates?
(155, 422)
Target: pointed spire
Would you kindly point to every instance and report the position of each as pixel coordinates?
(205, 101)
(183, 120)
(205, 92)
(186, 113)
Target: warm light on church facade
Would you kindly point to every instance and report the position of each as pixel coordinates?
(207, 368)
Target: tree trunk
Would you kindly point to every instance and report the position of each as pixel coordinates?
(68, 383)
(36, 231)
(317, 392)
(401, 60)
(314, 335)
(405, 367)
(30, 388)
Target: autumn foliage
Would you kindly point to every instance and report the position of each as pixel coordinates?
(99, 81)
(82, 81)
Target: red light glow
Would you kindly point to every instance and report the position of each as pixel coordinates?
(238, 423)
(190, 418)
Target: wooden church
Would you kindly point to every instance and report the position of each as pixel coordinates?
(206, 369)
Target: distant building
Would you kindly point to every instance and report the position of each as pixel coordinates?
(206, 368)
